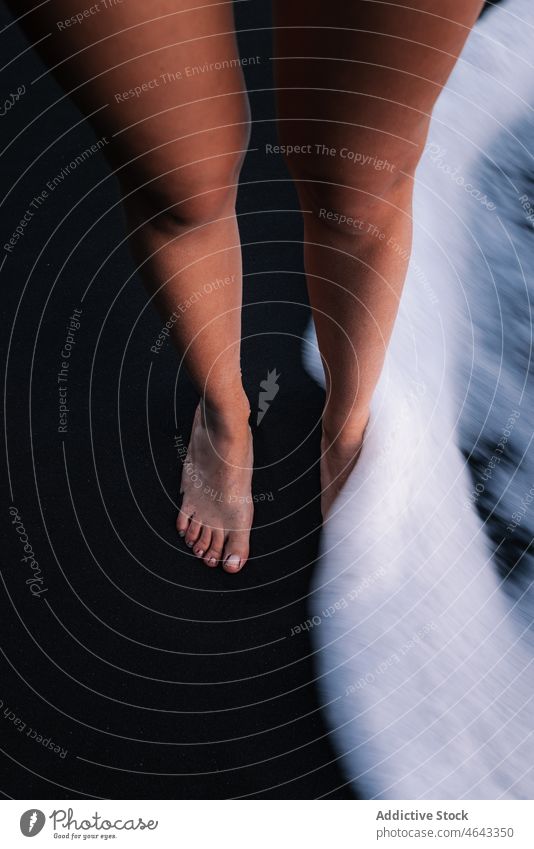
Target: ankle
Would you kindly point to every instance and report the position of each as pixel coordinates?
(226, 417)
(344, 427)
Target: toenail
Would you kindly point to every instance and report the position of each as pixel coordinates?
(234, 562)
(200, 552)
(212, 561)
(190, 544)
(181, 533)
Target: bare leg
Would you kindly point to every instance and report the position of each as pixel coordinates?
(356, 85)
(177, 143)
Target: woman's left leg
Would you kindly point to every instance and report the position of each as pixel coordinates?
(356, 84)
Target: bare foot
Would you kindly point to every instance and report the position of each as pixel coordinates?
(340, 449)
(216, 512)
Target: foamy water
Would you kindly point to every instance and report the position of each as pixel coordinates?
(422, 599)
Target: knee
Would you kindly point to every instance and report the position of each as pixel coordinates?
(353, 198)
(355, 210)
(183, 198)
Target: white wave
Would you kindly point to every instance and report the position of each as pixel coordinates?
(423, 651)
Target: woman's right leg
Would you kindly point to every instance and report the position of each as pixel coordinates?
(177, 140)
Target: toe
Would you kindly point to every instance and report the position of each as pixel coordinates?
(193, 532)
(182, 521)
(214, 553)
(203, 542)
(236, 551)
